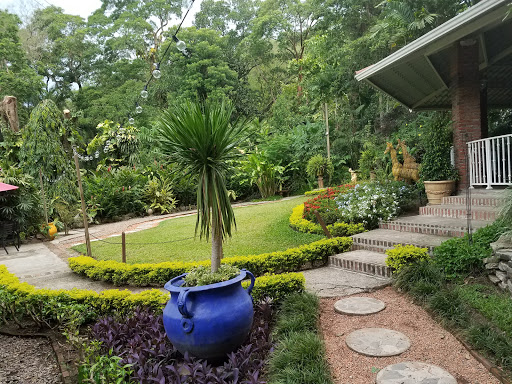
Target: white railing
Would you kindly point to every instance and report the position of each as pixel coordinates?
(490, 161)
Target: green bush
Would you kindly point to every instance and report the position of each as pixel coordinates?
(300, 224)
(459, 258)
(299, 354)
(203, 275)
(115, 192)
(292, 259)
(402, 255)
(53, 308)
(421, 279)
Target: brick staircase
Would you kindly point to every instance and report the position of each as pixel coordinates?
(433, 225)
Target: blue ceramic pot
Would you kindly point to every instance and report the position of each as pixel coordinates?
(209, 321)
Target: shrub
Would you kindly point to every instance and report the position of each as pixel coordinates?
(318, 166)
(202, 275)
(325, 205)
(421, 279)
(459, 258)
(300, 224)
(292, 259)
(49, 307)
(159, 194)
(142, 343)
(115, 192)
(372, 203)
(402, 255)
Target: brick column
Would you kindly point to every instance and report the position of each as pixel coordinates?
(466, 102)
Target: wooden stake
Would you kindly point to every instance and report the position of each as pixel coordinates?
(123, 247)
(84, 212)
(322, 224)
(44, 197)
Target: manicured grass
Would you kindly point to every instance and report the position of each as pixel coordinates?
(260, 228)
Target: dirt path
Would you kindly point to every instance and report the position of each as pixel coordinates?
(430, 343)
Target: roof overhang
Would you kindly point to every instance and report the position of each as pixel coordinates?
(418, 75)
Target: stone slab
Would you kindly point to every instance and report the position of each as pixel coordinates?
(364, 256)
(397, 237)
(413, 372)
(378, 342)
(333, 282)
(359, 306)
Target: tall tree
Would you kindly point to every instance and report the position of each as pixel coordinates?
(17, 77)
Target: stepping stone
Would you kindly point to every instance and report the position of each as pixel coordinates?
(414, 372)
(378, 342)
(359, 306)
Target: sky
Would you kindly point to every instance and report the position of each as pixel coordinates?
(82, 8)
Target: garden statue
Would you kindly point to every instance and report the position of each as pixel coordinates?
(399, 171)
(409, 161)
(353, 176)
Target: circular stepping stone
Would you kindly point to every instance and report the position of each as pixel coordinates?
(414, 372)
(359, 306)
(378, 342)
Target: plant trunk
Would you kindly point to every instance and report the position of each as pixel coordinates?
(216, 247)
(320, 182)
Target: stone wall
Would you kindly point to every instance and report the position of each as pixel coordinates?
(499, 267)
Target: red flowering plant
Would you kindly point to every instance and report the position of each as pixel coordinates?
(325, 205)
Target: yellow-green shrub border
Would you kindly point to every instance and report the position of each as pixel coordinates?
(16, 298)
(300, 224)
(148, 274)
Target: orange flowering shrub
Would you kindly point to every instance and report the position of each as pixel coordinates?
(325, 205)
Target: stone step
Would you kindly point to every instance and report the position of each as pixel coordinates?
(432, 225)
(460, 212)
(362, 261)
(477, 200)
(379, 240)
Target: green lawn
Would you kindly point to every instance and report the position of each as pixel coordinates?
(260, 228)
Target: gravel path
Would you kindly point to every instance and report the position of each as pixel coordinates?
(430, 343)
(27, 361)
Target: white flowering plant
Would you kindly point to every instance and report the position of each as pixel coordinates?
(371, 203)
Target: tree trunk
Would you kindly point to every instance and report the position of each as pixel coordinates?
(320, 182)
(9, 111)
(216, 246)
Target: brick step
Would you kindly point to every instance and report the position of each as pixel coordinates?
(432, 225)
(460, 212)
(362, 261)
(379, 240)
(477, 200)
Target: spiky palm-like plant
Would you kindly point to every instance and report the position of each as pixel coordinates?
(202, 139)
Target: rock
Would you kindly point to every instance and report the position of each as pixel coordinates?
(505, 254)
(494, 279)
(503, 285)
(504, 267)
(502, 276)
(509, 284)
(491, 266)
(492, 259)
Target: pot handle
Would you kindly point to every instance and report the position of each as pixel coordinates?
(253, 279)
(182, 303)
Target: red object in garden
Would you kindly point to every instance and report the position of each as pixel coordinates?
(7, 187)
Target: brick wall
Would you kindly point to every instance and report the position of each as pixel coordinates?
(466, 102)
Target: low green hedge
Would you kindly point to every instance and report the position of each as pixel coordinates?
(148, 274)
(57, 306)
(300, 224)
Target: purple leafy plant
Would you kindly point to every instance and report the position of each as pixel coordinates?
(140, 341)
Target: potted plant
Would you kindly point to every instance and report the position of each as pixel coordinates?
(318, 166)
(437, 172)
(209, 320)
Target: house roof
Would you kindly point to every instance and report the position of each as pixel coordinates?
(418, 75)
